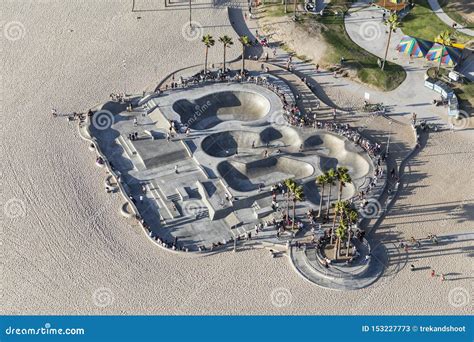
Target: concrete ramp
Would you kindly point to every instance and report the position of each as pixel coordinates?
(210, 110)
(248, 176)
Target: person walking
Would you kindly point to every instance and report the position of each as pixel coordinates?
(176, 169)
(433, 273)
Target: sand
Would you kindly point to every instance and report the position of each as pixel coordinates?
(66, 249)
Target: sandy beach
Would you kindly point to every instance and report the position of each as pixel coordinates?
(65, 248)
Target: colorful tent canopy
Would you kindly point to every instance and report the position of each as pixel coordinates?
(448, 55)
(414, 46)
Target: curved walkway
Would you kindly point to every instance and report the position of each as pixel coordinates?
(340, 277)
(434, 4)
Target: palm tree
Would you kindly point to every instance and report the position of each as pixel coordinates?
(298, 195)
(352, 216)
(226, 42)
(445, 38)
(245, 41)
(340, 233)
(393, 23)
(330, 178)
(340, 209)
(321, 180)
(208, 41)
(342, 175)
(290, 186)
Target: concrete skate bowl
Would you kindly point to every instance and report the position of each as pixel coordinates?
(210, 110)
(247, 176)
(335, 151)
(282, 137)
(225, 144)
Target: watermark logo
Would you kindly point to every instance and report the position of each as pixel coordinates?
(371, 209)
(281, 297)
(452, 214)
(370, 31)
(459, 122)
(198, 112)
(14, 208)
(459, 297)
(193, 208)
(14, 30)
(102, 120)
(192, 31)
(103, 297)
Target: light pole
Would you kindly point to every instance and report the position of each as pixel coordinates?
(190, 20)
(389, 133)
(124, 64)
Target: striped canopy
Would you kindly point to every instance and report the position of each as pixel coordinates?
(449, 55)
(413, 46)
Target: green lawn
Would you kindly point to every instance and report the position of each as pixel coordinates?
(277, 10)
(451, 10)
(423, 23)
(340, 44)
(464, 91)
(357, 58)
(465, 94)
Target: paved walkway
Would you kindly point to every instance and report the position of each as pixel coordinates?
(365, 26)
(341, 277)
(434, 4)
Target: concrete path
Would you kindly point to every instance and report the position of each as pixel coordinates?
(434, 4)
(339, 276)
(365, 27)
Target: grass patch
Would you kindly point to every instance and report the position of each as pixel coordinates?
(423, 23)
(363, 62)
(451, 10)
(465, 94)
(464, 91)
(340, 45)
(277, 10)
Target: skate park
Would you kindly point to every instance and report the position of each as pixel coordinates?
(205, 159)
